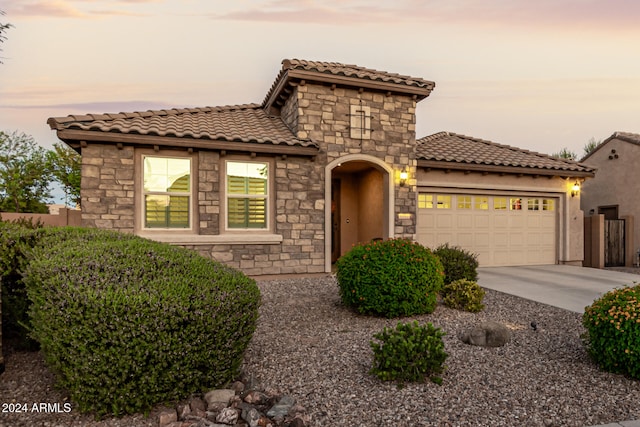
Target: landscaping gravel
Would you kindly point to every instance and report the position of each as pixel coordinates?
(309, 346)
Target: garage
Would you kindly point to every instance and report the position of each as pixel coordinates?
(502, 229)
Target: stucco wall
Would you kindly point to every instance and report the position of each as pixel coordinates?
(615, 182)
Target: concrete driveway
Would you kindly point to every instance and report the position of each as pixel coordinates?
(564, 286)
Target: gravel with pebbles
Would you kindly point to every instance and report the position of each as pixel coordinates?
(310, 346)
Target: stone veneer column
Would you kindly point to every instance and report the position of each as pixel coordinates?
(107, 196)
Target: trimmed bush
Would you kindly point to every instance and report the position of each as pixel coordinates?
(612, 336)
(127, 323)
(16, 239)
(409, 353)
(464, 295)
(391, 278)
(457, 262)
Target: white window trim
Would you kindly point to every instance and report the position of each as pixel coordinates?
(270, 199)
(140, 228)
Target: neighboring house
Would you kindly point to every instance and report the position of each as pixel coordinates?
(614, 190)
(327, 160)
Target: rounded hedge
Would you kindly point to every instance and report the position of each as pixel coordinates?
(458, 263)
(464, 295)
(127, 323)
(390, 278)
(612, 336)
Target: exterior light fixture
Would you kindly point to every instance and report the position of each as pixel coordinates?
(575, 189)
(403, 176)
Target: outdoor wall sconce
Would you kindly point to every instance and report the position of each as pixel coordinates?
(575, 189)
(403, 176)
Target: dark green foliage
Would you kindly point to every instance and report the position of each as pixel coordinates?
(457, 262)
(409, 353)
(391, 278)
(126, 323)
(612, 335)
(16, 238)
(464, 295)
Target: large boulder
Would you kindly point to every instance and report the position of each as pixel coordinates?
(487, 334)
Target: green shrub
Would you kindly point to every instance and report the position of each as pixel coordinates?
(391, 278)
(126, 323)
(612, 336)
(464, 295)
(457, 262)
(16, 239)
(409, 353)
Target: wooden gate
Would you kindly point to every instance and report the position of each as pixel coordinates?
(614, 255)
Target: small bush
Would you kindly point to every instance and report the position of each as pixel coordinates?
(409, 353)
(391, 278)
(612, 336)
(457, 262)
(126, 323)
(464, 295)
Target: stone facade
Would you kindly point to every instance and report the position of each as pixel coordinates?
(321, 113)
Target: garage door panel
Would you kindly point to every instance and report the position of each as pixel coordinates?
(497, 236)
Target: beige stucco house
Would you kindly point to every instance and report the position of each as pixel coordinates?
(327, 160)
(613, 193)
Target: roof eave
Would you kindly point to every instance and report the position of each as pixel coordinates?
(294, 74)
(513, 170)
(74, 138)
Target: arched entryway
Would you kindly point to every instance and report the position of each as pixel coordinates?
(358, 204)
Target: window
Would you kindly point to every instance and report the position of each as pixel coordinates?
(500, 203)
(425, 201)
(464, 202)
(247, 194)
(360, 122)
(533, 204)
(482, 203)
(167, 192)
(444, 202)
(515, 204)
(548, 204)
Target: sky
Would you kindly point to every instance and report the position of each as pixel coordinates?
(539, 75)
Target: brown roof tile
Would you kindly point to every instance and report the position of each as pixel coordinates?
(240, 123)
(460, 150)
(335, 69)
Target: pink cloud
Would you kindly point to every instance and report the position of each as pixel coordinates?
(562, 14)
(69, 8)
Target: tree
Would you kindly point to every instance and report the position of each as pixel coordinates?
(24, 174)
(565, 153)
(3, 30)
(591, 145)
(65, 165)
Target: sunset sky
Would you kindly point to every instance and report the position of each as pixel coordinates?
(539, 75)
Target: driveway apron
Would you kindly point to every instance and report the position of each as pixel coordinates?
(565, 286)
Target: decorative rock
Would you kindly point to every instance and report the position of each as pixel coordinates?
(487, 334)
(296, 422)
(223, 396)
(198, 404)
(183, 411)
(282, 408)
(167, 417)
(251, 415)
(256, 397)
(227, 416)
(238, 386)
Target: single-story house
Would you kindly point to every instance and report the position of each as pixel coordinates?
(613, 192)
(327, 160)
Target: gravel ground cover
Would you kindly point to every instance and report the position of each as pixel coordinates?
(310, 346)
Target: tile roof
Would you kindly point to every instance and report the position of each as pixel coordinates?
(633, 138)
(338, 70)
(460, 150)
(239, 123)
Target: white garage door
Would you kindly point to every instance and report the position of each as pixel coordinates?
(502, 230)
